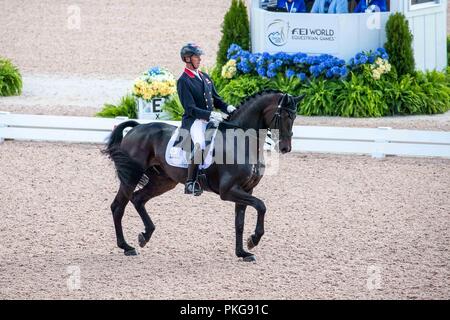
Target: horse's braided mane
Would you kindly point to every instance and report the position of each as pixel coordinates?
(250, 99)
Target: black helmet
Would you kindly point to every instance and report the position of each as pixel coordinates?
(190, 50)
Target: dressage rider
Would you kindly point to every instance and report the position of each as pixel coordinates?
(198, 97)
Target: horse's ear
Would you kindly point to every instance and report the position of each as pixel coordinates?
(299, 98)
(283, 99)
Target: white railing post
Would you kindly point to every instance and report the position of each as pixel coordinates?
(380, 143)
(3, 125)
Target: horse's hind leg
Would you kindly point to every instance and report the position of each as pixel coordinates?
(118, 210)
(158, 184)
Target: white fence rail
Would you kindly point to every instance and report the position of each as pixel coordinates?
(376, 142)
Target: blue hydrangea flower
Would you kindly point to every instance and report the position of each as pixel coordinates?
(335, 71)
(154, 71)
(244, 66)
(315, 71)
(271, 74)
(363, 59)
(272, 66)
(290, 73)
(301, 76)
(261, 71)
(233, 50)
(268, 65)
(381, 50)
(329, 74)
(322, 66)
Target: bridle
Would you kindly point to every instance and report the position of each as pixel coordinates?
(276, 119)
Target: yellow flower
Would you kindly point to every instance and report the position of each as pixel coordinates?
(157, 86)
(229, 69)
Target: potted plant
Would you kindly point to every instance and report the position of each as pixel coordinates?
(151, 90)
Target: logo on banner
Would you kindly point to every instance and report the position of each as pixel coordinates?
(313, 34)
(277, 32)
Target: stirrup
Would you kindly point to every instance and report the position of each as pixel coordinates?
(193, 187)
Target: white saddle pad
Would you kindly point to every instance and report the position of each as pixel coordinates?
(176, 156)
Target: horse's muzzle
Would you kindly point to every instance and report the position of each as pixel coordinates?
(285, 146)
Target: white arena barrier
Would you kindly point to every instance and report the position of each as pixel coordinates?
(377, 142)
(60, 128)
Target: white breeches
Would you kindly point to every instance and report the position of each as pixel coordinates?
(197, 131)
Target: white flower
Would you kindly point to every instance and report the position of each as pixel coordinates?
(376, 74)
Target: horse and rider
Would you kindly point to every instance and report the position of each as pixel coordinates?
(140, 156)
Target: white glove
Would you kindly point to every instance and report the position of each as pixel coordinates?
(371, 8)
(231, 108)
(215, 118)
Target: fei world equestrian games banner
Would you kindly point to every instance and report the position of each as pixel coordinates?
(296, 31)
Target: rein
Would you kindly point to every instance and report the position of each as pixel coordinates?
(276, 119)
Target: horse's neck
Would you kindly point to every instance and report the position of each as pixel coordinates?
(252, 117)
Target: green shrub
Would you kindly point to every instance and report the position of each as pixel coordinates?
(235, 29)
(447, 76)
(239, 89)
(10, 79)
(126, 108)
(448, 50)
(436, 92)
(355, 98)
(403, 96)
(399, 44)
(319, 98)
(173, 107)
(291, 85)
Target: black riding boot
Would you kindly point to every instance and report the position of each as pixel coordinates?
(192, 186)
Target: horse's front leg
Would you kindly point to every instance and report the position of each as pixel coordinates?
(241, 197)
(239, 227)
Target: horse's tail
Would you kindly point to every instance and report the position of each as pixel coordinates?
(129, 171)
(117, 134)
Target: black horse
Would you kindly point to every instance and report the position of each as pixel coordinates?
(140, 155)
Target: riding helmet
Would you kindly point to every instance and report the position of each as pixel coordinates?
(190, 50)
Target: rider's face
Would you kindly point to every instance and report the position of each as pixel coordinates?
(195, 60)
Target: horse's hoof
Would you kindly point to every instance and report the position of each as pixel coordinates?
(251, 258)
(141, 240)
(131, 252)
(250, 243)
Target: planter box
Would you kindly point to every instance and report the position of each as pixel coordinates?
(151, 109)
(344, 35)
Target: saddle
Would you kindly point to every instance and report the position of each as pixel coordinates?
(176, 151)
